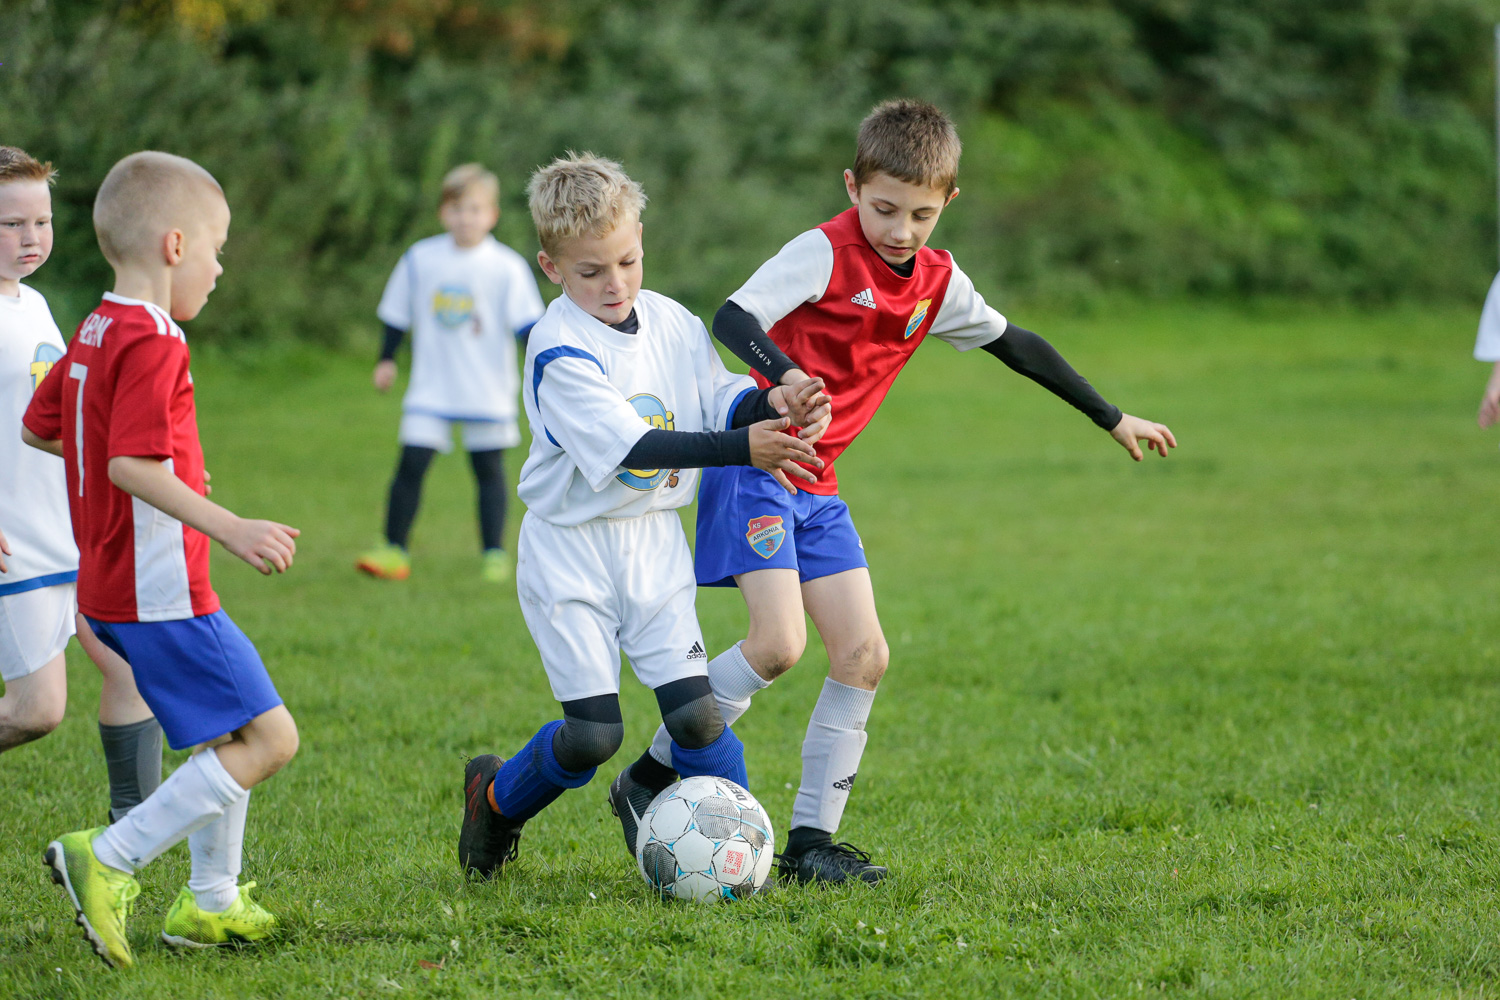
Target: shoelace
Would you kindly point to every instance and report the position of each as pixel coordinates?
(253, 911)
(843, 849)
(125, 897)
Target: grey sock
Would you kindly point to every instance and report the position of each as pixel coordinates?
(831, 752)
(132, 753)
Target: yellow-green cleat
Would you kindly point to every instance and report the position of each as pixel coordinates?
(497, 566)
(385, 562)
(245, 922)
(101, 895)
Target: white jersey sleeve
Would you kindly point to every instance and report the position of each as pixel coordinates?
(799, 273)
(1487, 346)
(395, 307)
(719, 389)
(584, 414)
(520, 300)
(965, 320)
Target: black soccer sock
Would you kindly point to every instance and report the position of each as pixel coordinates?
(132, 755)
(489, 474)
(406, 492)
(652, 773)
(801, 839)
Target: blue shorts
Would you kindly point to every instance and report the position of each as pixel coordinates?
(201, 676)
(748, 521)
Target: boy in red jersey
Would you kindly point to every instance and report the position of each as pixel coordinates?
(118, 407)
(848, 302)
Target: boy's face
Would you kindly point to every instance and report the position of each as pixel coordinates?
(601, 274)
(25, 228)
(897, 216)
(194, 253)
(470, 216)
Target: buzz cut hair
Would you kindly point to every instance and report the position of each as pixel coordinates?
(146, 195)
(912, 141)
(18, 165)
(458, 181)
(581, 194)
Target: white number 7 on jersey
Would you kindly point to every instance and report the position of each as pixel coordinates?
(81, 373)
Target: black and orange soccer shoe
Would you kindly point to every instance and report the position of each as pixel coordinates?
(487, 840)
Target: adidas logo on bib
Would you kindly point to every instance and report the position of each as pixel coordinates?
(865, 298)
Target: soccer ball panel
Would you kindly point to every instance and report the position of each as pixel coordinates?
(658, 865)
(694, 852)
(734, 862)
(763, 866)
(699, 887)
(717, 819)
(672, 818)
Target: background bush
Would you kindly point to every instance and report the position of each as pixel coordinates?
(1334, 150)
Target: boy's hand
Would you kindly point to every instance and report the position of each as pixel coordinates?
(1131, 430)
(778, 453)
(4, 551)
(806, 405)
(262, 544)
(208, 490)
(1489, 405)
(385, 375)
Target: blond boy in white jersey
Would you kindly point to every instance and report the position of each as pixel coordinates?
(38, 557)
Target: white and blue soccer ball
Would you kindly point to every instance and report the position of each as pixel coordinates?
(705, 839)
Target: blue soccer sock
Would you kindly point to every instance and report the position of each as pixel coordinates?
(723, 758)
(529, 782)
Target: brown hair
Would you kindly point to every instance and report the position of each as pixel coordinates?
(18, 165)
(457, 182)
(912, 141)
(581, 195)
(145, 195)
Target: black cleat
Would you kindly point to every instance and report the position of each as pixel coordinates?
(628, 799)
(829, 862)
(487, 839)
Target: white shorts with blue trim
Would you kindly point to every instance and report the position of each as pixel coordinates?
(590, 591)
(423, 430)
(35, 625)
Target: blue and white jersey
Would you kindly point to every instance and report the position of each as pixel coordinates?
(463, 307)
(591, 392)
(33, 487)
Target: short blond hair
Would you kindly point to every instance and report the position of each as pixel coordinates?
(581, 194)
(912, 141)
(144, 196)
(458, 181)
(18, 165)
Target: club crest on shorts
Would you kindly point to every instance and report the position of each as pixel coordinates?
(42, 361)
(765, 535)
(453, 306)
(917, 316)
(656, 415)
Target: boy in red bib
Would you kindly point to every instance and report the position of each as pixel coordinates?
(848, 302)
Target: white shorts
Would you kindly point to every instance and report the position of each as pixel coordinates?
(34, 627)
(589, 591)
(426, 431)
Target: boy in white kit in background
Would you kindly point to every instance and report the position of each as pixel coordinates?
(38, 557)
(466, 298)
(627, 399)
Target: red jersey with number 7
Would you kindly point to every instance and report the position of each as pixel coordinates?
(842, 314)
(123, 389)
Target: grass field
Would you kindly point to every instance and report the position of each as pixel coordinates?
(1223, 725)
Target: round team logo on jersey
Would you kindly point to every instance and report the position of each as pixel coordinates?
(766, 535)
(453, 306)
(42, 361)
(658, 417)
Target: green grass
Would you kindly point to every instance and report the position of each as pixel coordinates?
(1223, 725)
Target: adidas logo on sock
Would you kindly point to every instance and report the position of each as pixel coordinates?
(697, 653)
(847, 783)
(865, 298)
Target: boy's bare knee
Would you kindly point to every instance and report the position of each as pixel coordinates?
(772, 659)
(864, 664)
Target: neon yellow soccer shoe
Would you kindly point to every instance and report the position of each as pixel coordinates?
(496, 566)
(386, 562)
(245, 922)
(101, 895)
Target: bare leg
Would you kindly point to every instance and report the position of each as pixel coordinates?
(33, 705)
(260, 747)
(842, 607)
(778, 629)
(120, 704)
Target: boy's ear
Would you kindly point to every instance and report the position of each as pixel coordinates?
(549, 268)
(172, 247)
(951, 196)
(851, 186)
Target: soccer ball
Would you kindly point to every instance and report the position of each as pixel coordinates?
(704, 839)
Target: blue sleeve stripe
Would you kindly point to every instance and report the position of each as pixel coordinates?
(38, 582)
(525, 331)
(550, 355)
(729, 420)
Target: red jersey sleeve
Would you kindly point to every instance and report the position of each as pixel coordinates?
(149, 371)
(43, 416)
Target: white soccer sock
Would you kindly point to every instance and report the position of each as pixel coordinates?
(217, 851)
(196, 794)
(831, 751)
(734, 682)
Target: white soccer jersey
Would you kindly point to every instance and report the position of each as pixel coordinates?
(803, 269)
(33, 487)
(1487, 346)
(463, 308)
(591, 392)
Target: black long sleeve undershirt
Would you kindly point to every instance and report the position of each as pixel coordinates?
(390, 342)
(663, 449)
(739, 331)
(1028, 354)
